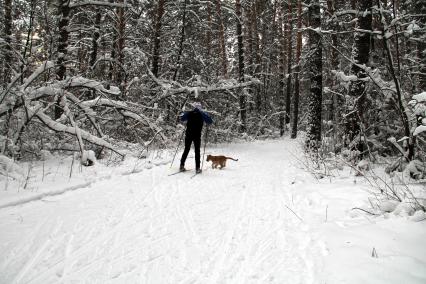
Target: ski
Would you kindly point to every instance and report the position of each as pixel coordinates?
(172, 174)
(178, 172)
(196, 174)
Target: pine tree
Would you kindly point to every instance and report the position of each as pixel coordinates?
(313, 138)
(361, 55)
(420, 8)
(221, 35)
(241, 63)
(297, 71)
(64, 18)
(7, 71)
(157, 39)
(289, 61)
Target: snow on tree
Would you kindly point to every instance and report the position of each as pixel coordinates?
(107, 71)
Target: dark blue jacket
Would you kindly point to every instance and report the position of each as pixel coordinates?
(195, 120)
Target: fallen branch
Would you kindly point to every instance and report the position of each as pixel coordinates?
(59, 127)
(293, 213)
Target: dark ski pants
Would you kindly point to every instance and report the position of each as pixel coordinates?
(188, 141)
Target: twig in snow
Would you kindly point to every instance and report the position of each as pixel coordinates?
(374, 253)
(145, 148)
(294, 213)
(326, 213)
(72, 165)
(42, 177)
(371, 213)
(28, 176)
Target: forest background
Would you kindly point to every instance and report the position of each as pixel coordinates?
(79, 76)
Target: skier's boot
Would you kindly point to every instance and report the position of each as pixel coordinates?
(182, 168)
(198, 171)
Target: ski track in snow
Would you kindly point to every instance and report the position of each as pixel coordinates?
(224, 226)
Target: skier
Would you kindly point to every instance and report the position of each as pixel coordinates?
(195, 120)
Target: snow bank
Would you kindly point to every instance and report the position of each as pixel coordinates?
(56, 175)
(37, 196)
(418, 216)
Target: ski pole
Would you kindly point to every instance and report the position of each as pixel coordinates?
(177, 148)
(205, 142)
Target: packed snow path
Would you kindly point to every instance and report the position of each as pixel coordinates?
(242, 224)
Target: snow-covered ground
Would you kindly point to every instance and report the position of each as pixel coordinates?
(263, 219)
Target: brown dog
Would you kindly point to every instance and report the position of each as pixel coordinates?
(219, 161)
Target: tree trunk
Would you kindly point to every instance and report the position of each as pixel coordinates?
(157, 41)
(337, 102)
(313, 138)
(281, 69)
(241, 64)
(64, 14)
(182, 39)
(297, 71)
(273, 54)
(209, 29)
(222, 47)
(401, 100)
(361, 53)
(121, 39)
(289, 63)
(256, 50)
(420, 6)
(249, 41)
(267, 27)
(113, 55)
(28, 41)
(249, 52)
(7, 71)
(96, 35)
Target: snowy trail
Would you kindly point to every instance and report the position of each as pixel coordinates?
(236, 225)
(223, 226)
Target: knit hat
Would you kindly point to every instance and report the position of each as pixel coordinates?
(197, 105)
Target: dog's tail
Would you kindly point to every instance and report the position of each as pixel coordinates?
(231, 158)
